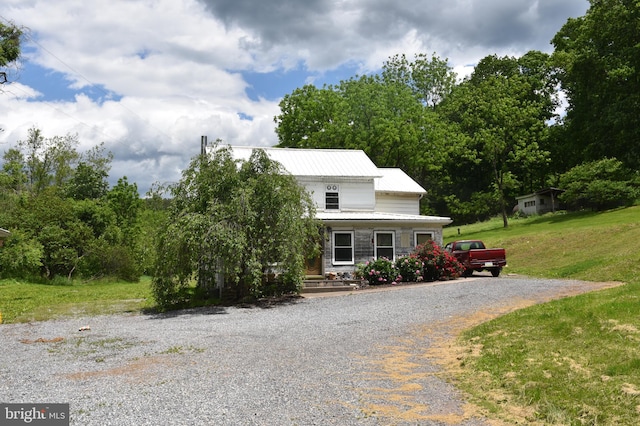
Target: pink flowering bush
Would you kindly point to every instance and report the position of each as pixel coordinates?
(438, 263)
(377, 272)
(409, 269)
(429, 262)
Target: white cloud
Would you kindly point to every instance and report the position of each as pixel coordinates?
(151, 77)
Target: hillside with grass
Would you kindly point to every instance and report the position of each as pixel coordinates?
(592, 246)
(572, 361)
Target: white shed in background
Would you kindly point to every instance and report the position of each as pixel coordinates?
(540, 202)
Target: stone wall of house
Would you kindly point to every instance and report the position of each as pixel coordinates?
(364, 246)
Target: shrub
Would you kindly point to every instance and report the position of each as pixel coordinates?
(598, 185)
(409, 269)
(449, 267)
(376, 272)
(20, 256)
(438, 263)
(429, 262)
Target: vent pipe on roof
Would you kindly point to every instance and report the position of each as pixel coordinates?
(203, 145)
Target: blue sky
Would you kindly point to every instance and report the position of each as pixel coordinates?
(148, 78)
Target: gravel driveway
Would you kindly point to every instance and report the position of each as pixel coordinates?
(347, 359)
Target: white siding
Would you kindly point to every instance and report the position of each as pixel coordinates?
(528, 205)
(396, 203)
(354, 195)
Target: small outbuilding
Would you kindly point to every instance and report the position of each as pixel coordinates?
(540, 202)
(3, 235)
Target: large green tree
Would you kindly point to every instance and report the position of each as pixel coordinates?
(598, 58)
(430, 79)
(599, 185)
(234, 226)
(9, 43)
(48, 161)
(503, 109)
(62, 219)
(9, 47)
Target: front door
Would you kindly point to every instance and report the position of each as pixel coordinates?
(314, 266)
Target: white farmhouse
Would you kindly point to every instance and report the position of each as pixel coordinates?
(368, 212)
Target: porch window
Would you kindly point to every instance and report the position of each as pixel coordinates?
(422, 237)
(343, 248)
(385, 245)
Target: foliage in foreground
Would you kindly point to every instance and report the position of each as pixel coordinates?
(428, 262)
(63, 218)
(243, 227)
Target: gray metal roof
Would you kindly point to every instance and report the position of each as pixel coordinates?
(317, 162)
(395, 180)
(4, 233)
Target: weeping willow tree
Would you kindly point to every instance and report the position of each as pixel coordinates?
(242, 227)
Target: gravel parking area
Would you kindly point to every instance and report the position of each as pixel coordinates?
(342, 359)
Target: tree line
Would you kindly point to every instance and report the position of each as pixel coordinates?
(64, 219)
(476, 144)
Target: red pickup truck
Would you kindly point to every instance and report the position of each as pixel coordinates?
(474, 256)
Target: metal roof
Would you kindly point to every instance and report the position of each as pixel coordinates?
(317, 162)
(381, 216)
(4, 233)
(551, 191)
(395, 180)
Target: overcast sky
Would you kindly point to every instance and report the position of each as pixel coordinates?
(149, 77)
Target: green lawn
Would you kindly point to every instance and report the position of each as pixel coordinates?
(587, 246)
(573, 361)
(24, 301)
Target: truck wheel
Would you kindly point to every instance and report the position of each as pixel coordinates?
(496, 271)
(467, 273)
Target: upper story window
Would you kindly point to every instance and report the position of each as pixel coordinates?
(332, 197)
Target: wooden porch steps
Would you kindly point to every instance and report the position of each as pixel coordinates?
(320, 286)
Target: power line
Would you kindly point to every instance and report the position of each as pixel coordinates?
(61, 112)
(99, 87)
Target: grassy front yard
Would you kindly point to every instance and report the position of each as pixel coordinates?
(24, 301)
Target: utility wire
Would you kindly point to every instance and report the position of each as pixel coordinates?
(99, 87)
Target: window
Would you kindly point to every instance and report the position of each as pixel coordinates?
(530, 203)
(343, 248)
(385, 245)
(332, 197)
(332, 201)
(422, 237)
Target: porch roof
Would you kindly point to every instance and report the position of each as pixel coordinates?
(382, 217)
(547, 191)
